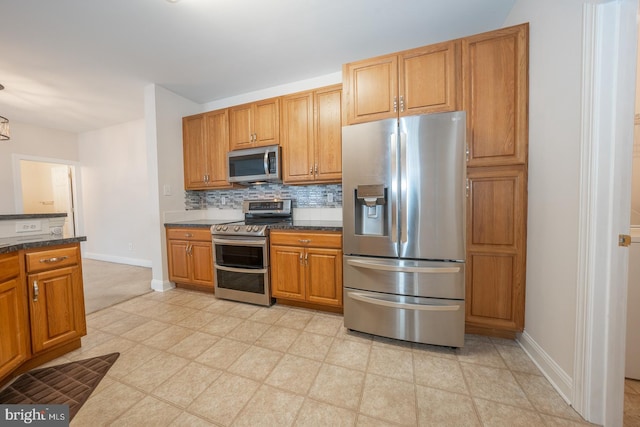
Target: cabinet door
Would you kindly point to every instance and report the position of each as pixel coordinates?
(178, 260)
(194, 152)
(241, 127)
(217, 143)
(14, 330)
(297, 137)
(371, 89)
(324, 276)
(287, 272)
(328, 134)
(267, 122)
(56, 303)
(496, 233)
(495, 69)
(201, 263)
(429, 78)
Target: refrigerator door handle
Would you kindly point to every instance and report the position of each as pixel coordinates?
(393, 149)
(399, 269)
(403, 188)
(408, 306)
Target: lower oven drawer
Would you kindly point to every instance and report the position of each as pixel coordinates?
(244, 285)
(422, 320)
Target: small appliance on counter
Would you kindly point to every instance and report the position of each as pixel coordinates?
(241, 252)
(404, 192)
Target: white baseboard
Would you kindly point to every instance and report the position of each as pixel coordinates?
(558, 378)
(161, 285)
(118, 260)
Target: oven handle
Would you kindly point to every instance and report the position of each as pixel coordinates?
(241, 270)
(240, 242)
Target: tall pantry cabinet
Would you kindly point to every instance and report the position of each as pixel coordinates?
(495, 96)
(487, 76)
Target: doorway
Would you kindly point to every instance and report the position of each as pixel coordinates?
(44, 185)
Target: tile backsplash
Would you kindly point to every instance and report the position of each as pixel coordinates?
(303, 196)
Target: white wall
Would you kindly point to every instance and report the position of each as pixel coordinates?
(554, 154)
(115, 194)
(31, 141)
(163, 123)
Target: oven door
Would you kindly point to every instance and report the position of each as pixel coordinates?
(241, 269)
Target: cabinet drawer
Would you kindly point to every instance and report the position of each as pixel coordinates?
(189, 233)
(317, 240)
(9, 266)
(51, 259)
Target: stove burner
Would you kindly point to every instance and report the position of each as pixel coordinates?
(258, 214)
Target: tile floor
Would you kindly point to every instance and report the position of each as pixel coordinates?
(189, 359)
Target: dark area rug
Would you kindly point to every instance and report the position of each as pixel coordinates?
(68, 384)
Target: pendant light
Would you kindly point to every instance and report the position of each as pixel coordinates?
(4, 126)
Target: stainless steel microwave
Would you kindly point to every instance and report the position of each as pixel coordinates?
(252, 165)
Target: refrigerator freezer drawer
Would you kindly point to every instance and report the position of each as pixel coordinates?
(431, 279)
(422, 320)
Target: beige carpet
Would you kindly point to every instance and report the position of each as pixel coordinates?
(108, 283)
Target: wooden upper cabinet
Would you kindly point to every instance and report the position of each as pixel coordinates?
(311, 134)
(254, 125)
(495, 87)
(430, 79)
(193, 147)
(205, 142)
(328, 134)
(370, 87)
(416, 81)
(297, 137)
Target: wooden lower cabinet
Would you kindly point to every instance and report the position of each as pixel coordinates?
(42, 313)
(307, 267)
(496, 236)
(56, 305)
(56, 296)
(14, 327)
(190, 255)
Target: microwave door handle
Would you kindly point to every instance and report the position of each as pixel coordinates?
(266, 162)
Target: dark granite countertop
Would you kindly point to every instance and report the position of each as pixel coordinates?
(32, 216)
(199, 223)
(318, 225)
(12, 244)
(311, 225)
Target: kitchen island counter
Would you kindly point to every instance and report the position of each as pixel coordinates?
(12, 244)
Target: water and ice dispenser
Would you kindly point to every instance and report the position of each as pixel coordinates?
(370, 213)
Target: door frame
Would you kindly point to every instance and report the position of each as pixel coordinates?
(609, 70)
(75, 184)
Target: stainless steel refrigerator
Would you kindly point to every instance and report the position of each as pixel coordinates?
(404, 197)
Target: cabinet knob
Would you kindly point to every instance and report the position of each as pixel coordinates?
(188, 235)
(304, 240)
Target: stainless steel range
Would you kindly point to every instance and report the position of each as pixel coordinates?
(241, 252)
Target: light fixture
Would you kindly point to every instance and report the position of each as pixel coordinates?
(4, 126)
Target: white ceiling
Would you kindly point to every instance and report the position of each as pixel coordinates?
(79, 65)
